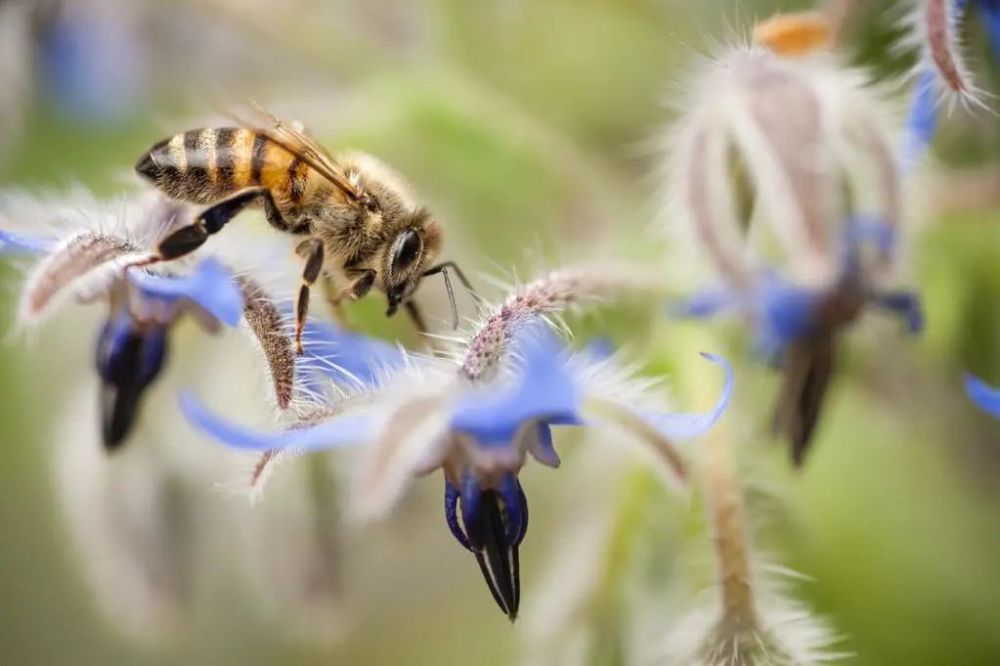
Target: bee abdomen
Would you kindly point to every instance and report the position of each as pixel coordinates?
(203, 165)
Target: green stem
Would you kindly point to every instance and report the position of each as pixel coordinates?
(728, 524)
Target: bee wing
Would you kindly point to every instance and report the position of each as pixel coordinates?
(305, 147)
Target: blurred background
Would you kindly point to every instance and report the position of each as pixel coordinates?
(527, 128)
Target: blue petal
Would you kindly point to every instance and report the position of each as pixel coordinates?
(686, 426)
(517, 509)
(337, 432)
(704, 304)
(599, 350)
(127, 354)
(11, 243)
(784, 312)
(861, 229)
(343, 355)
(451, 495)
(544, 389)
(991, 17)
(906, 304)
(471, 494)
(921, 121)
(544, 450)
(211, 286)
(984, 395)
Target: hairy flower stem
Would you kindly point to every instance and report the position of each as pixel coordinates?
(552, 293)
(728, 524)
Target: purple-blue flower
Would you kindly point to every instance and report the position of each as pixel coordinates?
(132, 346)
(795, 326)
(783, 312)
(479, 434)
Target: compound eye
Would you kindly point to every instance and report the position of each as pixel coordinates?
(408, 246)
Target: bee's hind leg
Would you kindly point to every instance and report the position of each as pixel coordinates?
(312, 250)
(211, 220)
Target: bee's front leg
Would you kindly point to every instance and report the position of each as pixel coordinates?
(355, 290)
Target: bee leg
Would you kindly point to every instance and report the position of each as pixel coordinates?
(188, 239)
(359, 288)
(335, 300)
(312, 250)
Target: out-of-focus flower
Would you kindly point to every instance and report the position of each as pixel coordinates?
(92, 59)
(93, 264)
(132, 346)
(771, 158)
(984, 395)
(479, 424)
(783, 313)
(783, 171)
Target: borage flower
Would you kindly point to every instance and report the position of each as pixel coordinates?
(783, 172)
(133, 345)
(86, 251)
(796, 326)
(480, 435)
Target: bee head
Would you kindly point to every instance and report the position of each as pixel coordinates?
(408, 255)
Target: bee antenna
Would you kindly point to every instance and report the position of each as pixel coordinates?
(451, 298)
(442, 268)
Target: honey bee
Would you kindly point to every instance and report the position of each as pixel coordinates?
(358, 223)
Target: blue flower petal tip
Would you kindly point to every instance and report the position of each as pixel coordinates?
(689, 426)
(12, 243)
(233, 436)
(340, 431)
(984, 395)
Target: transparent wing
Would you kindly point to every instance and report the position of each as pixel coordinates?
(303, 146)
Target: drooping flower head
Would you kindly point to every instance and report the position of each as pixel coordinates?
(132, 347)
(87, 252)
(783, 173)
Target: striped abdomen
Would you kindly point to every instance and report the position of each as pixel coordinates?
(204, 166)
